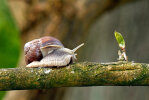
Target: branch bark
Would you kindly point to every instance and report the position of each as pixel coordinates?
(79, 74)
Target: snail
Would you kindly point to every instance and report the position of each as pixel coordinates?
(48, 52)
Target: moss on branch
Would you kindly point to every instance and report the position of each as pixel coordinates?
(79, 74)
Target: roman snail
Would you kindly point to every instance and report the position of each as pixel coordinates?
(48, 52)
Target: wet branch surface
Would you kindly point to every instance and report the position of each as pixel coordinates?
(76, 75)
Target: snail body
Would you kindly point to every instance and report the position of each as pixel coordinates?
(48, 52)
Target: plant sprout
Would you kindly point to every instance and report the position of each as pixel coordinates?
(121, 43)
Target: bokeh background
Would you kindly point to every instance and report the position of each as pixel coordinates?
(92, 22)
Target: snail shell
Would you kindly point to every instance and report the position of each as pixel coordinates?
(48, 52)
(33, 51)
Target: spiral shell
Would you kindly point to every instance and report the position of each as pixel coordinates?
(32, 49)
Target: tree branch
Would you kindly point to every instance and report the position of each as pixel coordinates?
(79, 74)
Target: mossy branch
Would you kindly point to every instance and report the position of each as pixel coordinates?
(79, 74)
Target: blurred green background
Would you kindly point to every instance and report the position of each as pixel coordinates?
(9, 39)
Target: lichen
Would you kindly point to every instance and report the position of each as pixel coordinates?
(78, 74)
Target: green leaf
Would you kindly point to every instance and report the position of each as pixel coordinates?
(120, 40)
